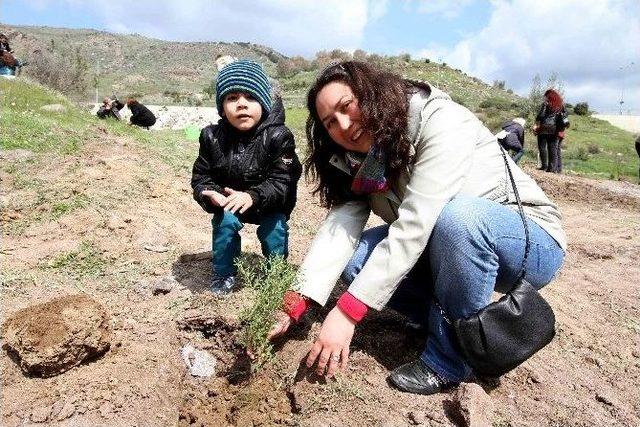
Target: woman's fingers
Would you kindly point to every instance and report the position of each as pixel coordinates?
(344, 360)
(334, 364)
(313, 354)
(323, 361)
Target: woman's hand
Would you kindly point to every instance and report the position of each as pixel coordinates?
(216, 198)
(281, 325)
(331, 349)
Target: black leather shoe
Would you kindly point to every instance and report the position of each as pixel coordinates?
(416, 377)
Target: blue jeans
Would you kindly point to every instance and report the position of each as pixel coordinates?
(273, 233)
(476, 247)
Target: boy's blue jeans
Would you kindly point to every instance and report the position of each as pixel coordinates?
(476, 247)
(273, 233)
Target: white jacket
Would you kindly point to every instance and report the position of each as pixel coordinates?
(455, 154)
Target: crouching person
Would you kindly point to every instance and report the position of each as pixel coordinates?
(247, 169)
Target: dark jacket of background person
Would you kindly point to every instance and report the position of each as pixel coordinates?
(514, 140)
(261, 162)
(141, 115)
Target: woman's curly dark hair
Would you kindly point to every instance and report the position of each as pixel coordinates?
(383, 100)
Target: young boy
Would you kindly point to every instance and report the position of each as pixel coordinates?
(247, 169)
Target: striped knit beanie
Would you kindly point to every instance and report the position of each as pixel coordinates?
(244, 76)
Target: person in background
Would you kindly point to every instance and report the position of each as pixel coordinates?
(247, 170)
(140, 115)
(638, 151)
(551, 121)
(110, 108)
(511, 137)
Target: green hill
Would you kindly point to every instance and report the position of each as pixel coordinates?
(164, 72)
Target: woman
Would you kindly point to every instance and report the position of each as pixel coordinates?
(140, 114)
(550, 125)
(436, 175)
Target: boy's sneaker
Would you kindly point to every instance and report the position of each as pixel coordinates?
(222, 285)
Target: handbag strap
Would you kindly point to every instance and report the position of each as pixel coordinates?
(526, 235)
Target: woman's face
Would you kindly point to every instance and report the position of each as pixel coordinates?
(341, 116)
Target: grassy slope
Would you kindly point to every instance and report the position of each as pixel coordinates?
(134, 64)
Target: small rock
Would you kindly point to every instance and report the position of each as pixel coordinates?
(199, 362)
(472, 405)
(156, 248)
(416, 418)
(40, 415)
(636, 354)
(106, 410)
(67, 411)
(162, 287)
(195, 256)
(594, 360)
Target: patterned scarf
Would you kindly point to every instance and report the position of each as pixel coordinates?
(369, 171)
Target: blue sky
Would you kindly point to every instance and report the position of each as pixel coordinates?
(593, 45)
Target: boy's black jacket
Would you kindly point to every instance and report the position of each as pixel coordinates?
(261, 162)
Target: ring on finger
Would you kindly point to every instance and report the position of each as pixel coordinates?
(335, 358)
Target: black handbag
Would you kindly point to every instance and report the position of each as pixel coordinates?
(509, 331)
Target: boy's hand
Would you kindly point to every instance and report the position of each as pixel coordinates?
(237, 200)
(216, 198)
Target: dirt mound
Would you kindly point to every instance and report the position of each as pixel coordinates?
(50, 338)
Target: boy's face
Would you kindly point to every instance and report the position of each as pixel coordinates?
(242, 110)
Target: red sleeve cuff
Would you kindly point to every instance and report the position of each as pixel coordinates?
(352, 306)
(294, 305)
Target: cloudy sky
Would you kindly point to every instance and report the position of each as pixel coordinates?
(593, 45)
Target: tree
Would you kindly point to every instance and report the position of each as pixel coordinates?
(536, 95)
(581, 109)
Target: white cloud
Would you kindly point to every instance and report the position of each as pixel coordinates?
(585, 41)
(300, 28)
(445, 8)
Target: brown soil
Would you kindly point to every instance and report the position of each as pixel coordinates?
(139, 220)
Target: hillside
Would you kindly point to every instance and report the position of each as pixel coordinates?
(177, 72)
(98, 208)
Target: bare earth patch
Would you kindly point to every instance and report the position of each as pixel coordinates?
(118, 203)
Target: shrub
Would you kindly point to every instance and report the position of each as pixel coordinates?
(270, 280)
(593, 148)
(63, 71)
(405, 57)
(427, 60)
(496, 102)
(499, 84)
(581, 109)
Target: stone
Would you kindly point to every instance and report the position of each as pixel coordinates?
(67, 411)
(54, 108)
(195, 256)
(50, 338)
(40, 415)
(416, 418)
(472, 406)
(156, 248)
(163, 286)
(199, 362)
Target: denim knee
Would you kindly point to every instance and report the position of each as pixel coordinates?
(273, 233)
(226, 222)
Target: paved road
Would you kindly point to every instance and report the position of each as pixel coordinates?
(628, 123)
